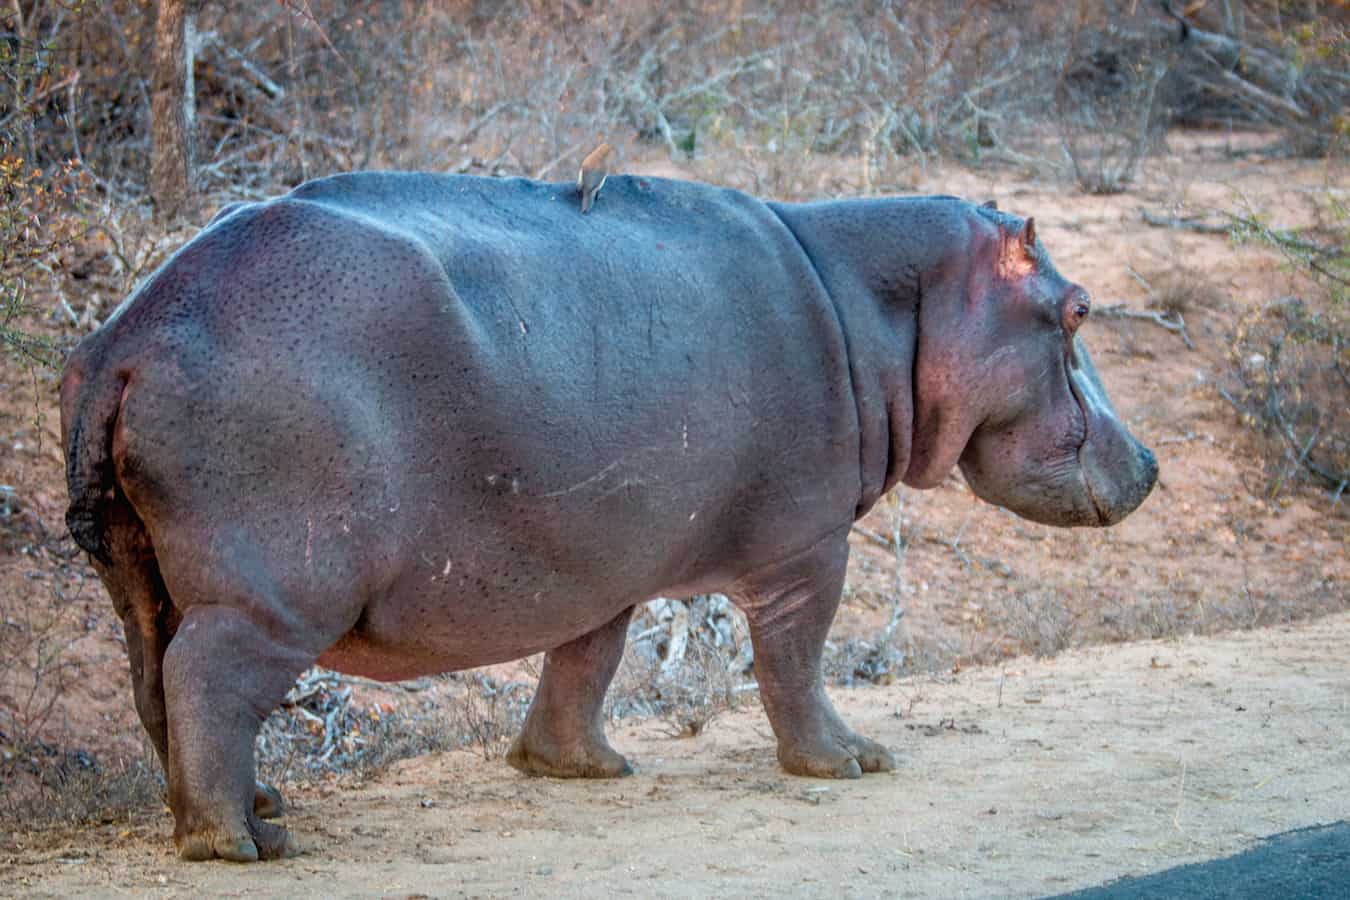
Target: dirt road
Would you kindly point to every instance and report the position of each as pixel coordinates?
(1024, 780)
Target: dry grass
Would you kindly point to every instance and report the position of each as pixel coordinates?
(48, 787)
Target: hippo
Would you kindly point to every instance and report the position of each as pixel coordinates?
(400, 424)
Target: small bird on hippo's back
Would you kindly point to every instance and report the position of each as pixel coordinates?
(594, 170)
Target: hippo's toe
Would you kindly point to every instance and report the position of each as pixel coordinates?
(266, 841)
(275, 842)
(212, 843)
(845, 755)
(267, 802)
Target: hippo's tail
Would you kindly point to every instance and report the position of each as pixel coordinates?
(89, 407)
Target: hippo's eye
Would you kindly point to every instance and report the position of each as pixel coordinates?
(1075, 312)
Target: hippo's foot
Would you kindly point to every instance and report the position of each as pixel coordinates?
(790, 607)
(840, 753)
(259, 840)
(564, 731)
(535, 756)
(267, 802)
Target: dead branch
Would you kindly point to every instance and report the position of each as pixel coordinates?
(1177, 325)
(253, 74)
(886, 543)
(1266, 85)
(301, 8)
(1157, 220)
(880, 540)
(471, 130)
(569, 153)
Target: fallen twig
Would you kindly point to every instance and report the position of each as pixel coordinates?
(1176, 325)
(882, 541)
(879, 539)
(1189, 224)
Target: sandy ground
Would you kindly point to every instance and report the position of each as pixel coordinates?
(1022, 780)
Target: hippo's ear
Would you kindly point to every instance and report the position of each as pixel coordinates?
(989, 204)
(1029, 235)
(1017, 250)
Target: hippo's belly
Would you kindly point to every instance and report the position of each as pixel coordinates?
(466, 572)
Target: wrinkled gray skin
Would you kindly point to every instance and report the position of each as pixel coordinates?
(405, 424)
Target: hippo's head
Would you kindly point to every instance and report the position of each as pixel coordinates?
(1005, 387)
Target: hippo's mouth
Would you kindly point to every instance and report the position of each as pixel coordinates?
(1117, 471)
(1103, 517)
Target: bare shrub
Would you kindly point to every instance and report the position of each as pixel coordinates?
(687, 663)
(1289, 360)
(72, 787)
(35, 668)
(1290, 368)
(1039, 623)
(1182, 289)
(1106, 97)
(489, 715)
(320, 731)
(295, 90)
(1264, 63)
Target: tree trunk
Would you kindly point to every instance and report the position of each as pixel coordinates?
(173, 109)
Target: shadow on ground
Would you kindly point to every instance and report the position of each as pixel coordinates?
(1308, 862)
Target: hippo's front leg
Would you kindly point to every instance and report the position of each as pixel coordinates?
(790, 607)
(564, 732)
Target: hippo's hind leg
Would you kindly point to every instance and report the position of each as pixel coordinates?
(243, 640)
(564, 734)
(131, 576)
(790, 607)
(224, 671)
(149, 621)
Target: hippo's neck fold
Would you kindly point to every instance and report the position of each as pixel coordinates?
(872, 257)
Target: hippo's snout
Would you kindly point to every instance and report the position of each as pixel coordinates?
(1118, 486)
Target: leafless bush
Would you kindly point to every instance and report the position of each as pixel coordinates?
(298, 89)
(1040, 624)
(71, 787)
(1181, 289)
(1291, 377)
(1289, 358)
(1106, 98)
(321, 731)
(687, 662)
(43, 782)
(35, 669)
(489, 715)
(1265, 63)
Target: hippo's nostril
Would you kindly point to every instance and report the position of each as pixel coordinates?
(1150, 463)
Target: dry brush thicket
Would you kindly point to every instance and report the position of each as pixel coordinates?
(782, 96)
